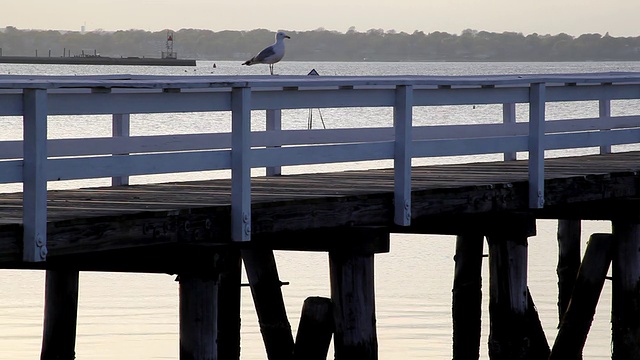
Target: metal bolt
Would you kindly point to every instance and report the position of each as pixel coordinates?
(43, 252)
(207, 224)
(245, 218)
(187, 225)
(39, 240)
(247, 229)
(407, 205)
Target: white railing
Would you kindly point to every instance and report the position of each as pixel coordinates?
(37, 159)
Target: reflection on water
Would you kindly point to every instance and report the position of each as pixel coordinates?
(131, 316)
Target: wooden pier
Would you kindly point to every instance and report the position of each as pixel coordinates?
(200, 230)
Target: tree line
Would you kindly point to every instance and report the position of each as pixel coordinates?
(326, 45)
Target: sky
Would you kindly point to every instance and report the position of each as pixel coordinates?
(574, 17)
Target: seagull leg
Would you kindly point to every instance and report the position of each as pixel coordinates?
(271, 68)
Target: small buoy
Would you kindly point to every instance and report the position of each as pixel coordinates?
(214, 65)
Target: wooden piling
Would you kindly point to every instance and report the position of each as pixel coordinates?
(508, 301)
(60, 315)
(352, 293)
(315, 329)
(198, 312)
(229, 279)
(260, 265)
(467, 296)
(579, 315)
(625, 312)
(568, 261)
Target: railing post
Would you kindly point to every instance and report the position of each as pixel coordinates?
(120, 128)
(274, 123)
(240, 164)
(402, 118)
(605, 114)
(509, 117)
(34, 176)
(537, 96)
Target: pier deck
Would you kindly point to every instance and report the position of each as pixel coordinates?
(290, 211)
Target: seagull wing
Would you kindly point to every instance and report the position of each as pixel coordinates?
(264, 54)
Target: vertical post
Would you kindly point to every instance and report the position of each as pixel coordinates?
(240, 164)
(568, 262)
(60, 315)
(536, 145)
(260, 265)
(467, 296)
(508, 296)
(352, 293)
(274, 123)
(120, 128)
(198, 313)
(34, 175)
(625, 312)
(315, 329)
(577, 320)
(402, 117)
(229, 296)
(509, 117)
(604, 110)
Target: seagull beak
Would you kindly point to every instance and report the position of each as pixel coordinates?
(287, 37)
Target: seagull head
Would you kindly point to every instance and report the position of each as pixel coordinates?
(280, 35)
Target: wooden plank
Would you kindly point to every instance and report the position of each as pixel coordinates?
(274, 124)
(241, 164)
(35, 175)
(536, 145)
(509, 117)
(402, 118)
(121, 127)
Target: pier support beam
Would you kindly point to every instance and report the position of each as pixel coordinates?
(315, 329)
(568, 262)
(60, 315)
(467, 297)
(262, 273)
(352, 293)
(198, 311)
(579, 315)
(625, 312)
(508, 301)
(230, 267)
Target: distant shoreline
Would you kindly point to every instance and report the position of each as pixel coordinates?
(95, 60)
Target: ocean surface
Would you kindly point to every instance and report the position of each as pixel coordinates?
(135, 316)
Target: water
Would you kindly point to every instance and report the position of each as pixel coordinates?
(135, 316)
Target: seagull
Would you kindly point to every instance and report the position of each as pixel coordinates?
(272, 54)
